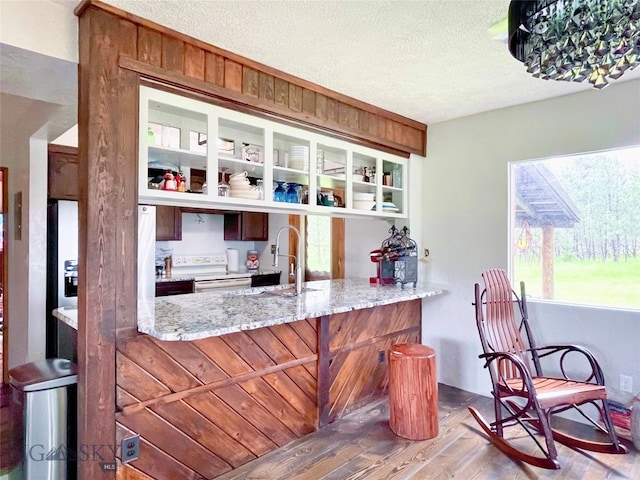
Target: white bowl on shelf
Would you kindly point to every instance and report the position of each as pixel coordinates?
(364, 196)
(248, 194)
(364, 204)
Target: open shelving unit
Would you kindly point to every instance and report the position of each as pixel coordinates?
(326, 172)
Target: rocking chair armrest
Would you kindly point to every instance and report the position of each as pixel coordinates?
(518, 363)
(596, 375)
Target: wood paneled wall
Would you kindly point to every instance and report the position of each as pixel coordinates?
(207, 406)
(182, 61)
(358, 342)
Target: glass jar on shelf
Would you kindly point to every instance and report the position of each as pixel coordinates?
(223, 186)
(260, 188)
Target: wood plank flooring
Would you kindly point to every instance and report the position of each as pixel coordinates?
(10, 434)
(361, 446)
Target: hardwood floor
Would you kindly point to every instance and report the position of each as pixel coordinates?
(10, 436)
(361, 446)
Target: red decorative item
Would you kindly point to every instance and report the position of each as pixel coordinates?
(169, 182)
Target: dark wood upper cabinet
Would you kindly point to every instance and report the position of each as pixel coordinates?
(168, 223)
(248, 226)
(63, 172)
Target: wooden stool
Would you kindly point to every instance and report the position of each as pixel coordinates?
(413, 391)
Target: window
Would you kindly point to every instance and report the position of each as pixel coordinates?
(575, 233)
(318, 249)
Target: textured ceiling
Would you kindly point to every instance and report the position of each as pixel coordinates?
(428, 60)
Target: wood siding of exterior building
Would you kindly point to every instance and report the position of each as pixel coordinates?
(205, 407)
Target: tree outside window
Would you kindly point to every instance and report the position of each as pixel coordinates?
(575, 234)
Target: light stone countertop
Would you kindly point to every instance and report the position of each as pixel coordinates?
(207, 314)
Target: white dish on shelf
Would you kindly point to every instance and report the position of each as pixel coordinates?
(390, 207)
(364, 204)
(249, 194)
(364, 196)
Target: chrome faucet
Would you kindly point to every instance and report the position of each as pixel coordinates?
(297, 257)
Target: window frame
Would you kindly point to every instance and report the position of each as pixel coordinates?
(513, 226)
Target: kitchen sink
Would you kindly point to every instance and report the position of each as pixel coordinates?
(277, 292)
(289, 292)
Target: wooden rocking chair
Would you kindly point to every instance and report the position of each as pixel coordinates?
(527, 397)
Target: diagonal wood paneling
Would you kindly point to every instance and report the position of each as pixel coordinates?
(356, 342)
(197, 427)
(235, 426)
(357, 376)
(360, 325)
(154, 462)
(228, 399)
(168, 438)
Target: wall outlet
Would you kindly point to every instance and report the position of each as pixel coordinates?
(626, 383)
(273, 249)
(130, 449)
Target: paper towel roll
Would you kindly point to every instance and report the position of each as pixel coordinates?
(233, 264)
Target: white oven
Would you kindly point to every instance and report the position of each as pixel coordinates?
(221, 284)
(209, 272)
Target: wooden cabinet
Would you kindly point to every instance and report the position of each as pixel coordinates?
(168, 223)
(63, 172)
(179, 287)
(248, 226)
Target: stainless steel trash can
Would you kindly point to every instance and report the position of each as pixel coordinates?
(42, 389)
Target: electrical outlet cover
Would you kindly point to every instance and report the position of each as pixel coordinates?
(130, 449)
(626, 383)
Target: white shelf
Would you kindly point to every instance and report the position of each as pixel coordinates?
(242, 128)
(175, 157)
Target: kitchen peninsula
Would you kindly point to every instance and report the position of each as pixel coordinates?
(242, 373)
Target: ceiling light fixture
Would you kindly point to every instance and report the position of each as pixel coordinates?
(576, 40)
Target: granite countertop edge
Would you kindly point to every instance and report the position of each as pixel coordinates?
(208, 314)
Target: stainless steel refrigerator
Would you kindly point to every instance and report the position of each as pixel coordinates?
(62, 246)
(146, 251)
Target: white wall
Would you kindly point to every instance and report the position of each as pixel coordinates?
(362, 236)
(26, 159)
(40, 26)
(204, 233)
(465, 223)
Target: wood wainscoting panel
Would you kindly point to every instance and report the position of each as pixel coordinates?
(358, 345)
(217, 403)
(154, 462)
(194, 65)
(348, 329)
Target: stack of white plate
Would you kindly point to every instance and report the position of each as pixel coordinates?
(364, 204)
(299, 157)
(389, 207)
(364, 201)
(241, 188)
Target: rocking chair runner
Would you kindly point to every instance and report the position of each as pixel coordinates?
(525, 396)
